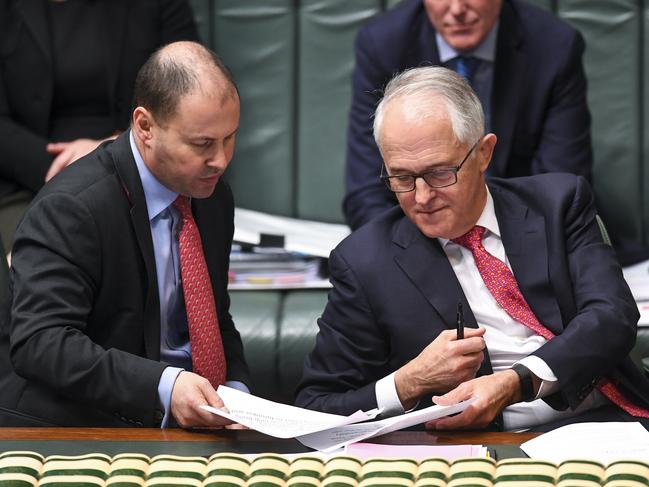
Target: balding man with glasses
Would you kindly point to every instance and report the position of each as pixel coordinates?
(549, 320)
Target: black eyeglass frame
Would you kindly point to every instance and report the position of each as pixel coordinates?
(452, 169)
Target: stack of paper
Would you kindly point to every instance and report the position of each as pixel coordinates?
(320, 431)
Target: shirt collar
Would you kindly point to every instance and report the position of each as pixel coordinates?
(487, 219)
(158, 197)
(486, 50)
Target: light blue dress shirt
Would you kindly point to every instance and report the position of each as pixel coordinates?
(175, 348)
(484, 75)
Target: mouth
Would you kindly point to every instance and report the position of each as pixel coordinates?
(430, 211)
(461, 27)
(210, 179)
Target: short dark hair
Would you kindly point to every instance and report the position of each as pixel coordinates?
(163, 80)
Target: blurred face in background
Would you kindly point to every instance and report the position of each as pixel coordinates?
(463, 24)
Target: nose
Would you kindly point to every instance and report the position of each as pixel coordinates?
(218, 159)
(457, 7)
(423, 192)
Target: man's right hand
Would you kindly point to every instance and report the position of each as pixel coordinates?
(443, 365)
(191, 391)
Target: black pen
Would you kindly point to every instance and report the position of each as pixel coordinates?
(460, 321)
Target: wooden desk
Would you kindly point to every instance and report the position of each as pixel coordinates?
(74, 441)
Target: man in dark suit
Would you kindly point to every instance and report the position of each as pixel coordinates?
(103, 331)
(525, 65)
(540, 344)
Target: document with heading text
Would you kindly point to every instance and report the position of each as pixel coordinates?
(320, 431)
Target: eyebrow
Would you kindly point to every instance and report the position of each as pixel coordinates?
(428, 168)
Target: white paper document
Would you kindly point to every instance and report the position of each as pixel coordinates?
(338, 437)
(321, 431)
(276, 419)
(305, 236)
(603, 442)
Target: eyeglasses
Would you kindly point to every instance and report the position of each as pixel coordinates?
(436, 178)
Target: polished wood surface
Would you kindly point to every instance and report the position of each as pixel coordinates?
(153, 434)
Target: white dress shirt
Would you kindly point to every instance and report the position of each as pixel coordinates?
(507, 340)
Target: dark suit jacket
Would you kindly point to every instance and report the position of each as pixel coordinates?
(83, 344)
(395, 291)
(539, 110)
(132, 30)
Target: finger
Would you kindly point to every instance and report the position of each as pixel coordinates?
(468, 345)
(460, 393)
(460, 421)
(236, 426)
(473, 332)
(56, 147)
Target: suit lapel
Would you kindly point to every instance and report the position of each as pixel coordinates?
(423, 260)
(524, 238)
(132, 185)
(34, 14)
(423, 49)
(508, 77)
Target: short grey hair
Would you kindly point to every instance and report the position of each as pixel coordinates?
(429, 83)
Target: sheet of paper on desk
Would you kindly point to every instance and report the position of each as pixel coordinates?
(340, 436)
(603, 442)
(278, 420)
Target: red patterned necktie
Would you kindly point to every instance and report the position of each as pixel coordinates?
(208, 358)
(503, 287)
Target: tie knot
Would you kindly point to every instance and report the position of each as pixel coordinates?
(183, 206)
(471, 239)
(466, 66)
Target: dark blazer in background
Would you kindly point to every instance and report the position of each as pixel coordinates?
(394, 291)
(83, 345)
(538, 105)
(131, 31)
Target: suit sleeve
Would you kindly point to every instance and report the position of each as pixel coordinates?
(565, 142)
(366, 196)
(602, 331)
(56, 271)
(351, 351)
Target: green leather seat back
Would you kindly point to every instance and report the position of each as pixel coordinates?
(298, 329)
(256, 317)
(326, 60)
(614, 45)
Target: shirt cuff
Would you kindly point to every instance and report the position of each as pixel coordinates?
(549, 382)
(165, 387)
(387, 399)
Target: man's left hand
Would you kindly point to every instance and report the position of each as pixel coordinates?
(493, 393)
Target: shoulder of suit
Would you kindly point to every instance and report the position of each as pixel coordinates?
(541, 187)
(375, 234)
(539, 22)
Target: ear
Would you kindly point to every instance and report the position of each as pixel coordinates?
(142, 125)
(486, 150)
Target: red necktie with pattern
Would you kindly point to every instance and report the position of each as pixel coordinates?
(208, 358)
(503, 287)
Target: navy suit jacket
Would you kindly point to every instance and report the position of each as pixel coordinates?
(539, 110)
(394, 291)
(82, 347)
